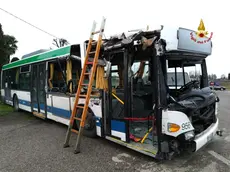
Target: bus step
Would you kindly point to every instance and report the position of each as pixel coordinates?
(39, 115)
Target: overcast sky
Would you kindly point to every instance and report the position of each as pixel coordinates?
(72, 19)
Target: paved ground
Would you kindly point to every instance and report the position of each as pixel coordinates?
(30, 144)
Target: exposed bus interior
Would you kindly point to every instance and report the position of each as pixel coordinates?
(64, 73)
(140, 119)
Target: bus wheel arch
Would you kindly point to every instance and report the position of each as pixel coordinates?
(90, 123)
(15, 103)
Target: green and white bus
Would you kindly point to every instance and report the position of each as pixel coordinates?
(39, 83)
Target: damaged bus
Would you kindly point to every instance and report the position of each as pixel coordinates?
(139, 104)
(138, 108)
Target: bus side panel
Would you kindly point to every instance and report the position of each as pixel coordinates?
(118, 129)
(95, 104)
(58, 108)
(24, 99)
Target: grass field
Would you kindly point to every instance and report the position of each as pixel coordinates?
(5, 109)
(226, 84)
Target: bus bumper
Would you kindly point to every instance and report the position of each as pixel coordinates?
(206, 136)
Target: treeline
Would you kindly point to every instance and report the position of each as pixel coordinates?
(8, 46)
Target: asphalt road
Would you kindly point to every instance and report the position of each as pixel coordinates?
(30, 144)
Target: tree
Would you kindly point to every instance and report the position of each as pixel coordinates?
(223, 76)
(212, 77)
(8, 46)
(60, 42)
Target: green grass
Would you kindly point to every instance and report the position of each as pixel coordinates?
(226, 84)
(5, 109)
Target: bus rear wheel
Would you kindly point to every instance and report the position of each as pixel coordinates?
(90, 124)
(15, 104)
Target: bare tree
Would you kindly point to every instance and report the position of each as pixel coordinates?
(60, 42)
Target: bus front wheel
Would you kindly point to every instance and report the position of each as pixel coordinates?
(90, 124)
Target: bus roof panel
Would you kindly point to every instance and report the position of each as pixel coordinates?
(63, 51)
(179, 39)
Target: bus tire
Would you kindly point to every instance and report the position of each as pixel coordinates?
(15, 104)
(90, 124)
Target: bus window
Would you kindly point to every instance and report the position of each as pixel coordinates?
(141, 70)
(114, 77)
(57, 76)
(76, 73)
(56, 82)
(24, 78)
(183, 75)
(14, 83)
(117, 76)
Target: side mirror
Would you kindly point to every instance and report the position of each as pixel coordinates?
(107, 68)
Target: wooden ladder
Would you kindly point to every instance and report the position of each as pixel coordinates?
(84, 73)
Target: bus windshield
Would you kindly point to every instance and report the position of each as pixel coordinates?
(183, 75)
(171, 78)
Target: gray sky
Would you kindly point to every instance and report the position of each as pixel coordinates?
(72, 19)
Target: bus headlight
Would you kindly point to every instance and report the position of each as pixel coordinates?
(189, 135)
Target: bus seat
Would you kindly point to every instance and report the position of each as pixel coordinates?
(54, 89)
(142, 107)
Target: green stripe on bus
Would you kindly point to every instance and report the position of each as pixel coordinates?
(40, 57)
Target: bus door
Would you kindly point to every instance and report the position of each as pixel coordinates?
(38, 95)
(7, 87)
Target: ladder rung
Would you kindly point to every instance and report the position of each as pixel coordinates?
(84, 84)
(94, 96)
(91, 96)
(96, 32)
(81, 95)
(87, 74)
(89, 62)
(79, 119)
(80, 107)
(75, 131)
(92, 52)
